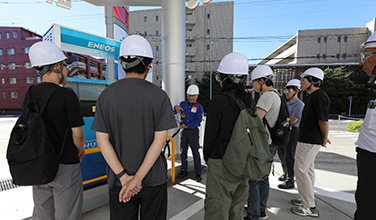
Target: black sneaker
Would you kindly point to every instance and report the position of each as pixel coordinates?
(263, 215)
(198, 178)
(288, 184)
(182, 175)
(282, 178)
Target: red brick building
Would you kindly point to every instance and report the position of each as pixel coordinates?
(16, 73)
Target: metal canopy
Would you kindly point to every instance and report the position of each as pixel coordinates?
(125, 2)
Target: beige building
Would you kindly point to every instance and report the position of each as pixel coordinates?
(322, 46)
(209, 34)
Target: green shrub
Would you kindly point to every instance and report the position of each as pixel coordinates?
(354, 126)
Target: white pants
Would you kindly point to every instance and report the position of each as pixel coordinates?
(62, 198)
(305, 173)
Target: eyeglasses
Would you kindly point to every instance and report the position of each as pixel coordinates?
(287, 90)
(69, 67)
(366, 55)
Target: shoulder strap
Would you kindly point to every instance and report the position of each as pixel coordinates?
(50, 90)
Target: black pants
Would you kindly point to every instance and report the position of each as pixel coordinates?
(190, 136)
(287, 154)
(150, 202)
(365, 195)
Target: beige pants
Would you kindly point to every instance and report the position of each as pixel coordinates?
(305, 173)
(226, 194)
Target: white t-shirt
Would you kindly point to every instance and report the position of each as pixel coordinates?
(367, 136)
(271, 103)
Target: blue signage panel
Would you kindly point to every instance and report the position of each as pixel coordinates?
(98, 46)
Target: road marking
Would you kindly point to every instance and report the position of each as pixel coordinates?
(188, 212)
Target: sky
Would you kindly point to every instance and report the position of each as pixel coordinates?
(260, 26)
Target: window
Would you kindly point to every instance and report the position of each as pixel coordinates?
(1, 51)
(1, 66)
(157, 33)
(29, 79)
(0, 36)
(339, 39)
(10, 51)
(12, 80)
(14, 34)
(189, 29)
(145, 19)
(324, 39)
(208, 31)
(324, 56)
(208, 47)
(157, 48)
(345, 39)
(157, 63)
(4, 95)
(208, 16)
(27, 50)
(2, 80)
(146, 34)
(11, 66)
(337, 55)
(14, 94)
(189, 45)
(39, 79)
(27, 65)
(344, 56)
(7, 34)
(156, 18)
(189, 13)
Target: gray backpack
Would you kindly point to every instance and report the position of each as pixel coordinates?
(247, 154)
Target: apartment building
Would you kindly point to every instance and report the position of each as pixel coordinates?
(209, 36)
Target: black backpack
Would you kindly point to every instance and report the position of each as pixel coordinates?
(247, 154)
(31, 157)
(281, 131)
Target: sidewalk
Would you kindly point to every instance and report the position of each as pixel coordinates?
(335, 186)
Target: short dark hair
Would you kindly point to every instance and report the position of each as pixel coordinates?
(140, 68)
(268, 82)
(314, 79)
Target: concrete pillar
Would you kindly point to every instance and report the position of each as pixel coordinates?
(173, 55)
(173, 47)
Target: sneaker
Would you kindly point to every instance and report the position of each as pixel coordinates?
(282, 178)
(263, 215)
(198, 178)
(297, 202)
(182, 175)
(288, 184)
(313, 212)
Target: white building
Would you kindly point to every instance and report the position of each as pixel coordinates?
(209, 34)
(322, 46)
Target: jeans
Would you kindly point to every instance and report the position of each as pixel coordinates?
(259, 192)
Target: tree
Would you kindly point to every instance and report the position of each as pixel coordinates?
(204, 86)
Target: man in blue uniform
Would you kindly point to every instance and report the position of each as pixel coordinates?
(193, 116)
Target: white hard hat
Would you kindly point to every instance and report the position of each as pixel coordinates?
(234, 64)
(193, 90)
(261, 71)
(135, 45)
(315, 72)
(293, 82)
(371, 42)
(45, 53)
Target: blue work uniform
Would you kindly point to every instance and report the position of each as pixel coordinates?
(190, 135)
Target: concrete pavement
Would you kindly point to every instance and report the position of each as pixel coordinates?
(335, 186)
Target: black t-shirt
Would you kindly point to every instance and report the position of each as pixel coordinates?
(62, 110)
(315, 110)
(221, 117)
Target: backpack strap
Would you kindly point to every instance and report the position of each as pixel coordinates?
(50, 90)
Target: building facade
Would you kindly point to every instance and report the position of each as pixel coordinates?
(209, 34)
(16, 73)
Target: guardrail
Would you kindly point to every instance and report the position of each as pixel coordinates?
(172, 157)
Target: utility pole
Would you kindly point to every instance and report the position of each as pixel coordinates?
(211, 69)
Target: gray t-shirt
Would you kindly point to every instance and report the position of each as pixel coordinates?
(130, 111)
(271, 103)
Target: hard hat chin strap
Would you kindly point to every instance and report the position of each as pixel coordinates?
(59, 72)
(41, 70)
(138, 60)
